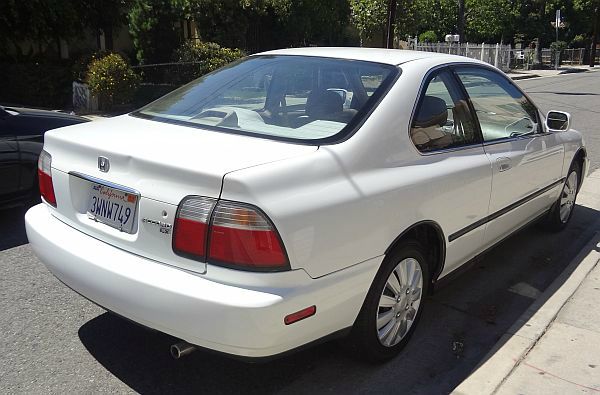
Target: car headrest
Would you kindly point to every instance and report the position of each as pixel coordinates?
(323, 102)
(432, 112)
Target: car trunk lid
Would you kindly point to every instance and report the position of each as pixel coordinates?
(158, 164)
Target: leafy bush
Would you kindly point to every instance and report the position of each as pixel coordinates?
(558, 45)
(112, 80)
(557, 48)
(579, 41)
(428, 37)
(209, 56)
(82, 63)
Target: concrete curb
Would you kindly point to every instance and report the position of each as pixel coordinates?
(524, 77)
(516, 343)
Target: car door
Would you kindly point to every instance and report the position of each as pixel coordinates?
(9, 160)
(526, 161)
(459, 173)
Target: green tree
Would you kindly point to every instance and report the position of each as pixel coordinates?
(440, 16)
(152, 28)
(105, 15)
(369, 17)
(312, 22)
(221, 21)
(44, 22)
(591, 10)
(489, 20)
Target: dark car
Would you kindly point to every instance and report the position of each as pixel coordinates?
(21, 141)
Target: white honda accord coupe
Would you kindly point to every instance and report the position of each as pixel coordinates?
(300, 194)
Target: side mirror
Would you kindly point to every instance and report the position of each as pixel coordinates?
(558, 121)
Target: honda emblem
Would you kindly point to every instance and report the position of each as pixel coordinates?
(103, 164)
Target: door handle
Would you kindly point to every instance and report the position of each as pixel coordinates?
(503, 164)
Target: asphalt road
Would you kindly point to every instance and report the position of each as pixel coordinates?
(54, 341)
(578, 94)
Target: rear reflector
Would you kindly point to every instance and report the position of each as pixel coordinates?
(300, 315)
(240, 235)
(45, 178)
(191, 226)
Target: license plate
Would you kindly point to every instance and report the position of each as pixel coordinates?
(112, 207)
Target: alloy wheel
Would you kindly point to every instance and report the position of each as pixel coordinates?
(567, 198)
(399, 302)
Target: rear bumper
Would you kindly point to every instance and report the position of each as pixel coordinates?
(243, 321)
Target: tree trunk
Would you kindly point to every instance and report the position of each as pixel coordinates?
(538, 48)
(108, 38)
(390, 23)
(461, 20)
(594, 37)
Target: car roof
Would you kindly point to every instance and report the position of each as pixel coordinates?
(379, 55)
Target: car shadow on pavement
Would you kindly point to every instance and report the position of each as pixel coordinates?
(12, 227)
(460, 325)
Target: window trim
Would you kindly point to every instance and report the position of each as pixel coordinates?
(421, 94)
(540, 129)
(344, 134)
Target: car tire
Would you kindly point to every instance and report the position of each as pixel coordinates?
(562, 210)
(389, 316)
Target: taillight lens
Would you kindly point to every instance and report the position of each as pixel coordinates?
(242, 236)
(191, 227)
(45, 178)
(228, 234)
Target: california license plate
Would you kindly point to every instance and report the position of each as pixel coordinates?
(113, 207)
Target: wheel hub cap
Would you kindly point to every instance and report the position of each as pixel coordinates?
(399, 302)
(567, 198)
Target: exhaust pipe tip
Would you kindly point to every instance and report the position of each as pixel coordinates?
(182, 349)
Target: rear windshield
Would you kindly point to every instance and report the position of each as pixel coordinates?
(286, 97)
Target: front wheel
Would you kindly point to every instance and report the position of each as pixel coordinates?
(393, 305)
(562, 211)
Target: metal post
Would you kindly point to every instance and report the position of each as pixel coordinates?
(557, 51)
(390, 23)
(496, 55)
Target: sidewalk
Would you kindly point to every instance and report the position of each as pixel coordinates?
(527, 74)
(554, 347)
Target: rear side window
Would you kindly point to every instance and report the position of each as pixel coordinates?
(443, 119)
(502, 109)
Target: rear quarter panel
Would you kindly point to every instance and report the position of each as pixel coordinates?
(347, 202)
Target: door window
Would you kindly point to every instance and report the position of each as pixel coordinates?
(443, 119)
(502, 109)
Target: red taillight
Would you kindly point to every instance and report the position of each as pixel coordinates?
(45, 178)
(238, 235)
(191, 225)
(242, 236)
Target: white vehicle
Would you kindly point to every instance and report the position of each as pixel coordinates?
(300, 194)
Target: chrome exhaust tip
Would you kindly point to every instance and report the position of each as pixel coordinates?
(182, 349)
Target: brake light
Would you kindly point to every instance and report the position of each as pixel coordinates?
(227, 233)
(191, 227)
(45, 178)
(240, 235)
